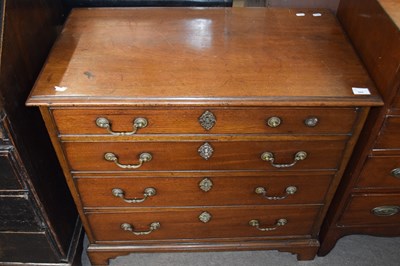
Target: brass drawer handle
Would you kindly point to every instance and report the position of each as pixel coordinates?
(311, 121)
(143, 158)
(138, 123)
(395, 172)
(269, 157)
(385, 210)
(128, 227)
(256, 224)
(274, 121)
(289, 191)
(148, 192)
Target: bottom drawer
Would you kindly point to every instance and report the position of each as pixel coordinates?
(197, 223)
(372, 209)
(27, 247)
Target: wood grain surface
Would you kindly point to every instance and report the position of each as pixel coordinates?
(186, 56)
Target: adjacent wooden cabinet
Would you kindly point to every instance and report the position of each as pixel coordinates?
(203, 129)
(368, 199)
(30, 230)
(39, 224)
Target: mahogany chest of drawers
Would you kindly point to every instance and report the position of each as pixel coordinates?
(203, 129)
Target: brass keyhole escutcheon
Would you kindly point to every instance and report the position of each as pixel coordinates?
(206, 184)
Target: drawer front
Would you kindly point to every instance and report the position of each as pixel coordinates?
(10, 172)
(198, 223)
(196, 191)
(380, 172)
(213, 120)
(171, 156)
(389, 135)
(372, 209)
(17, 213)
(28, 248)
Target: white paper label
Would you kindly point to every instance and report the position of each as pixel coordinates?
(58, 88)
(361, 91)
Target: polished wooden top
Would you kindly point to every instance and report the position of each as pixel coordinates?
(392, 8)
(202, 56)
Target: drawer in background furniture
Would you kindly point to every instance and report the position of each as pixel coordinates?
(208, 190)
(32, 247)
(173, 156)
(17, 213)
(371, 209)
(389, 137)
(380, 172)
(205, 222)
(221, 121)
(10, 170)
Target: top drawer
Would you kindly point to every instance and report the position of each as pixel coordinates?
(205, 120)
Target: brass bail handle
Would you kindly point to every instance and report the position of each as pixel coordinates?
(143, 158)
(290, 190)
(148, 192)
(279, 223)
(138, 123)
(269, 157)
(128, 227)
(385, 210)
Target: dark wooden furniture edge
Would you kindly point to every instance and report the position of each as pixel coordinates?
(305, 249)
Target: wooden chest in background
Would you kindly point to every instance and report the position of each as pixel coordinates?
(368, 200)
